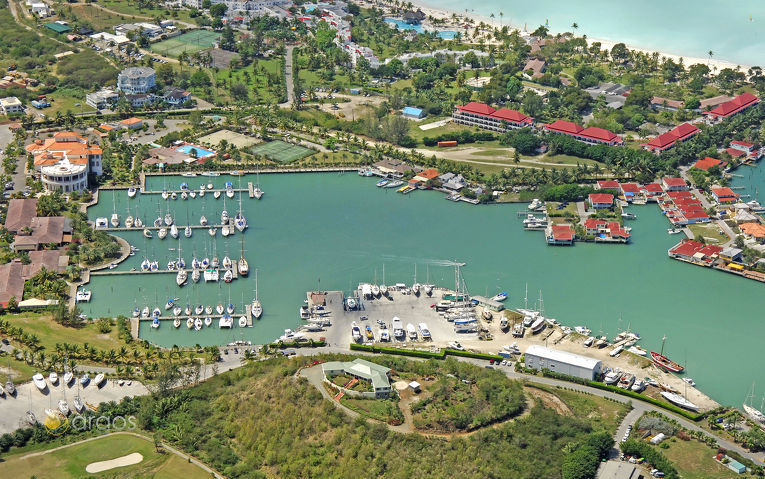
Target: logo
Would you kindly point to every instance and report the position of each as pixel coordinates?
(56, 424)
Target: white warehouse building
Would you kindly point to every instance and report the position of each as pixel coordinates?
(539, 357)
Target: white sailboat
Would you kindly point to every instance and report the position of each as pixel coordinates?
(257, 192)
(415, 284)
(256, 307)
(242, 265)
(751, 411)
(187, 232)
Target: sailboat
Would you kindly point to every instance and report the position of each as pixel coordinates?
(257, 192)
(242, 265)
(664, 362)
(256, 307)
(383, 287)
(415, 285)
(182, 275)
(187, 232)
(239, 222)
(427, 286)
(751, 411)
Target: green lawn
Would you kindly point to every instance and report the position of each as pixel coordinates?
(98, 18)
(62, 102)
(50, 332)
(255, 77)
(709, 230)
(384, 410)
(132, 8)
(71, 461)
(695, 460)
(600, 411)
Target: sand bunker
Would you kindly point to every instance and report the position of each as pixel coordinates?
(123, 461)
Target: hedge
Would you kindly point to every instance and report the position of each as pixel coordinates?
(423, 354)
(624, 392)
(651, 455)
(298, 344)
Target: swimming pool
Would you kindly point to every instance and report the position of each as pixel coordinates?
(200, 152)
(402, 25)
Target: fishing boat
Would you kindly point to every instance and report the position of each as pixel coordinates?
(208, 321)
(256, 309)
(355, 332)
(177, 322)
(626, 381)
(162, 233)
(242, 321)
(499, 297)
(132, 191)
(155, 322)
(187, 232)
(664, 362)
(674, 231)
(190, 323)
(68, 378)
(679, 400)
(638, 386)
(198, 324)
(53, 378)
(168, 219)
(39, 381)
(63, 407)
(612, 377)
(99, 379)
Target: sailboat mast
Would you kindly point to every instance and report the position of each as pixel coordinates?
(662, 344)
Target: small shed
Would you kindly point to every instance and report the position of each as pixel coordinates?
(658, 438)
(414, 386)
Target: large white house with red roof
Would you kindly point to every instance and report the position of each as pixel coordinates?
(65, 160)
(601, 201)
(610, 231)
(724, 195)
(674, 184)
(696, 252)
(667, 140)
(560, 235)
(607, 185)
(592, 135)
(730, 108)
(484, 116)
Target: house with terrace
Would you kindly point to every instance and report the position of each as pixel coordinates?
(64, 161)
(376, 375)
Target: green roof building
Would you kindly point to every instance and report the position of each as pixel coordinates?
(362, 370)
(58, 27)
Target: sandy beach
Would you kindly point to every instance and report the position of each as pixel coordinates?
(714, 64)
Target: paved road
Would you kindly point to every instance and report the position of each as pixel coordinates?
(288, 79)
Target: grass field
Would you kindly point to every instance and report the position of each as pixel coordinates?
(98, 18)
(695, 460)
(192, 41)
(130, 8)
(50, 332)
(71, 461)
(281, 151)
(255, 78)
(710, 231)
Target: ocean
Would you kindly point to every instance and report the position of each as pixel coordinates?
(333, 231)
(682, 27)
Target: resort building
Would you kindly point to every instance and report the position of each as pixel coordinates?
(20, 213)
(708, 163)
(136, 80)
(730, 108)
(591, 135)
(695, 252)
(560, 235)
(659, 103)
(539, 357)
(724, 195)
(667, 140)
(131, 123)
(483, 116)
(362, 370)
(11, 104)
(755, 231)
(103, 99)
(674, 184)
(65, 160)
(601, 201)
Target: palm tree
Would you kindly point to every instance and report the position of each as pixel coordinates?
(575, 27)
(710, 53)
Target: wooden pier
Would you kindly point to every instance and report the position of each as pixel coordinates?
(178, 192)
(151, 227)
(112, 272)
(250, 189)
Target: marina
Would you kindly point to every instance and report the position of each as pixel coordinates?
(347, 245)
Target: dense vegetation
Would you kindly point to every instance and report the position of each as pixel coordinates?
(453, 405)
(259, 421)
(651, 455)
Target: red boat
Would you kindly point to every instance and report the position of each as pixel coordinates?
(665, 363)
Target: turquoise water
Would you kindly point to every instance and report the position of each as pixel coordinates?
(402, 25)
(682, 27)
(333, 231)
(200, 152)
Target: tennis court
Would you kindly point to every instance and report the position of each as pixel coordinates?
(192, 41)
(281, 151)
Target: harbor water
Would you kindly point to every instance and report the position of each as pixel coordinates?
(332, 231)
(734, 31)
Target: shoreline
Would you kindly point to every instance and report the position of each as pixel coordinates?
(439, 12)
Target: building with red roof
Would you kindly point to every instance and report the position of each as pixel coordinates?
(735, 153)
(708, 163)
(742, 145)
(680, 194)
(653, 189)
(484, 116)
(560, 235)
(736, 105)
(601, 201)
(426, 175)
(606, 230)
(592, 135)
(64, 161)
(724, 195)
(608, 185)
(674, 184)
(630, 190)
(667, 140)
(696, 252)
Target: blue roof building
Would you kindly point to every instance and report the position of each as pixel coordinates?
(412, 112)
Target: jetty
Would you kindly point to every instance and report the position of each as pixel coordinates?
(112, 272)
